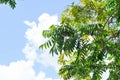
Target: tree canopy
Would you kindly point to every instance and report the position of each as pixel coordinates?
(12, 3)
(87, 40)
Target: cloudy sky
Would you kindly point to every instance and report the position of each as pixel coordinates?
(20, 37)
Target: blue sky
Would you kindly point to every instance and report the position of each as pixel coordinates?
(19, 39)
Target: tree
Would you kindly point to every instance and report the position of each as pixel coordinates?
(12, 3)
(87, 40)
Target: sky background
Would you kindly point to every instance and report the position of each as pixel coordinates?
(20, 37)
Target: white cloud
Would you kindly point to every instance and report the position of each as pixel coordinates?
(34, 33)
(35, 39)
(30, 52)
(47, 60)
(20, 70)
(23, 69)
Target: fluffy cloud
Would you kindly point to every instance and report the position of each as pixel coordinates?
(47, 60)
(30, 52)
(23, 69)
(20, 70)
(35, 39)
(34, 32)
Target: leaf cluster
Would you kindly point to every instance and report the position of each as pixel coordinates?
(12, 3)
(87, 40)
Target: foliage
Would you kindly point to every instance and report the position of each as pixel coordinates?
(12, 3)
(87, 40)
